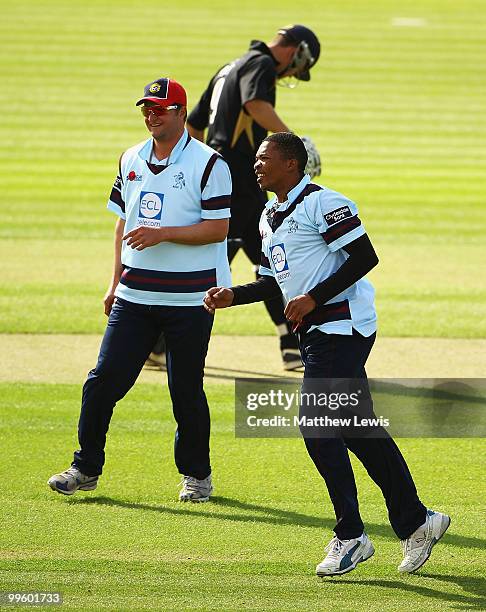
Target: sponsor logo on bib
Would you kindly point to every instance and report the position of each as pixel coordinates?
(133, 176)
(338, 215)
(280, 263)
(150, 208)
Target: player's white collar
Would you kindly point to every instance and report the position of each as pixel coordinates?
(146, 151)
(292, 195)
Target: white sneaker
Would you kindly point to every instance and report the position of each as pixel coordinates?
(71, 480)
(344, 555)
(417, 548)
(195, 490)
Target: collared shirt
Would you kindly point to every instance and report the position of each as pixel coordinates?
(146, 152)
(194, 184)
(302, 245)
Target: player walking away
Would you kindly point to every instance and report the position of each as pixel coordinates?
(237, 109)
(172, 197)
(316, 252)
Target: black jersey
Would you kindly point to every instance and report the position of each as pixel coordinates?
(221, 107)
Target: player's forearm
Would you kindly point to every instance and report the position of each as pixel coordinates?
(117, 264)
(362, 258)
(264, 288)
(264, 114)
(205, 232)
(195, 133)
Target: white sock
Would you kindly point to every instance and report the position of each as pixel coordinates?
(282, 329)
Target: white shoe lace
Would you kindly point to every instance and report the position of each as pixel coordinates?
(193, 485)
(72, 471)
(334, 548)
(189, 484)
(416, 540)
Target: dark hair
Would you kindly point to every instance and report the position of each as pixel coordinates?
(291, 147)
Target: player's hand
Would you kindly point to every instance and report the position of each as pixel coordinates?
(142, 237)
(217, 297)
(298, 307)
(108, 301)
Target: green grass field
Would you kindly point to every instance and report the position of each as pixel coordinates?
(130, 545)
(396, 106)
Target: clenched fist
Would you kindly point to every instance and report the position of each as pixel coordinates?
(217, 297)
(298, 307)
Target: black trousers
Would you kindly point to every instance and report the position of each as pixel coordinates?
(336, 356)
(129, 337)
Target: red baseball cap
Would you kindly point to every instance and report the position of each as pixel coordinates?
(164, 92)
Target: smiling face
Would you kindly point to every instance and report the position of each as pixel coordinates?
(268, 166)
(166, 124)
(273, 170)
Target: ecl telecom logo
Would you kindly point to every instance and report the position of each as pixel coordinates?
(280, 263)
(150, 209)
(279, 258)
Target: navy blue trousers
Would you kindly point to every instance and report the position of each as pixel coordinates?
(130, 335)
(338, 356)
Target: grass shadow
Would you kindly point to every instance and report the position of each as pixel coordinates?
(465, 602)
(253, 513)
(476, 586)
(261, 514)
(214, 372)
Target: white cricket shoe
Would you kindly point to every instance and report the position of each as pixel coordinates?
(71, 480)
(344, 555)
(195, 490)
(417, 548)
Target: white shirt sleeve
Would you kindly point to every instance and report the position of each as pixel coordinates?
(216, 195)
